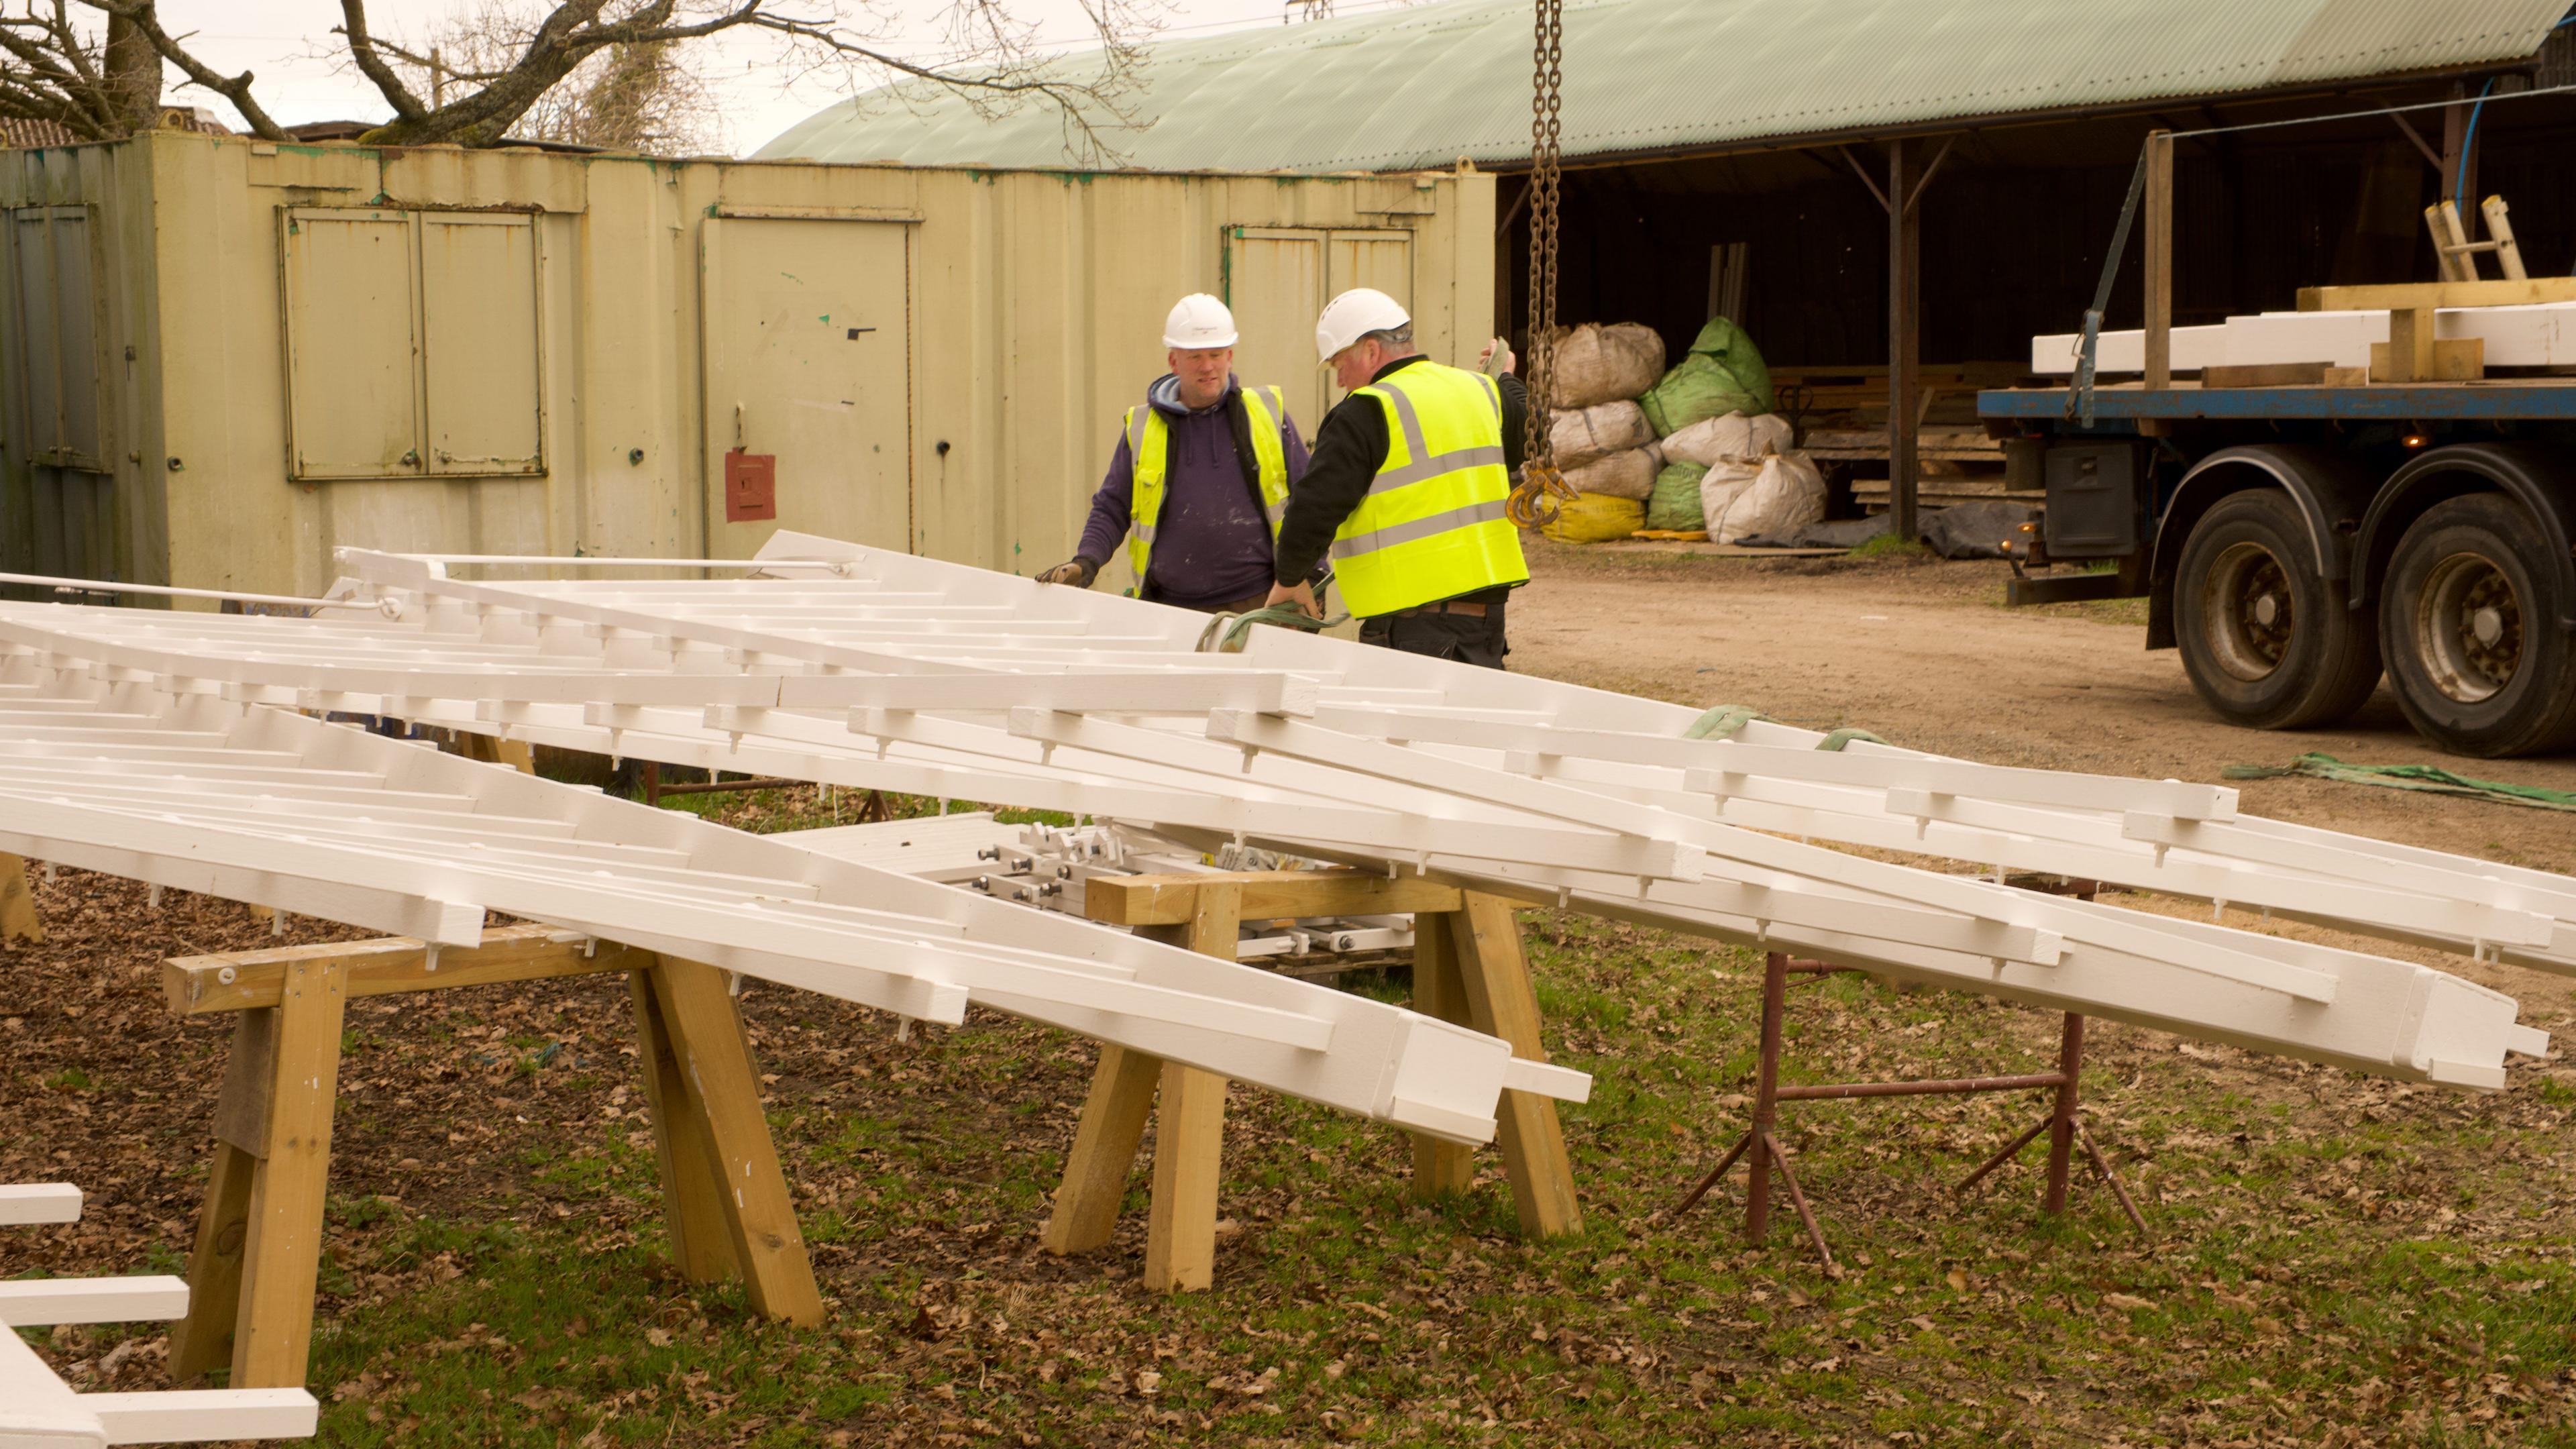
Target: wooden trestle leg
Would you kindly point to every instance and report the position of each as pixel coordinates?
(17, 903)
(258, 1249)
(1468, 968)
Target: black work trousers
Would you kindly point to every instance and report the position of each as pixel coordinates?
(1467, 638)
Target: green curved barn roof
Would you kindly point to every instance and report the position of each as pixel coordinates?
(1420, 87)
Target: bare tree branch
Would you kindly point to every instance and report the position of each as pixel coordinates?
(362, 49)
(610, 68)
(235, 89)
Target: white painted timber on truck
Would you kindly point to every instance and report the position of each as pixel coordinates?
(2538, 335)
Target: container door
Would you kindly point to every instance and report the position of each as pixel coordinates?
(1277, 280)
(1274, 284)
(59, 313)
(65, 523)
(808, 361)
(1380, 259)
(352, 343)
(484, 357)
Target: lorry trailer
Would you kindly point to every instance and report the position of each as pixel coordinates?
(2298, 542)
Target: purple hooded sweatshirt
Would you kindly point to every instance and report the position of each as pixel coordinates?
(1212, 543)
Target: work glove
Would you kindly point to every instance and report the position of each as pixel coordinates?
(1077, 571)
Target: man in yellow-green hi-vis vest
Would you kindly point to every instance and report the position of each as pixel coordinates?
(1200, 477)
(1406, 491)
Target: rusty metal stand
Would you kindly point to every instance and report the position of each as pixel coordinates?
(654, 789)
(1760, 1144)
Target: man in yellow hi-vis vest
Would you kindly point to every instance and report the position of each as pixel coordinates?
(1200, 477)
(1406, 491)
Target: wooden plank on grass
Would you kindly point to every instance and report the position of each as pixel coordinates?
(1502, 1002)
(692, 1202)
(282, 1252)
(1103, 1154)
(759, 1217)
(17, 903)
(1439, 1168)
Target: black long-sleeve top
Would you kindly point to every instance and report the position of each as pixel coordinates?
(1350, 447)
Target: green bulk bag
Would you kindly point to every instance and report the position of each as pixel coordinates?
(1723, 373)
(1674, 505)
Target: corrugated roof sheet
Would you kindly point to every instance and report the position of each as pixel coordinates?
(1421, 87)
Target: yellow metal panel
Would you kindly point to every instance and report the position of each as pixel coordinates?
(1033, 317)
(1275, 287)
(353, 398)
(483, 353)
(808, 359)
(1380, 259)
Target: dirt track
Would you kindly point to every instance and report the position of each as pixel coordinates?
(1925, 653)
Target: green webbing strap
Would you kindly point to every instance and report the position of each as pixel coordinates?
(1226, 632)
(2431, 779)
(1727, 720)
(1723, 722)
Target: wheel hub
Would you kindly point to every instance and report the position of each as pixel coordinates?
(2251, 619)
(2468, 628)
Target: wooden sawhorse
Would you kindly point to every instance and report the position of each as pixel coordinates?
(1467, 968)
(17, 903)
(259, 1235)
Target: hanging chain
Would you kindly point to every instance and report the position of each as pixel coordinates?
(1536, 501)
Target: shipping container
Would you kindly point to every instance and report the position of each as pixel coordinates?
(225, 358)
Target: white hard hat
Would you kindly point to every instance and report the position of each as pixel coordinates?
(1355, 314)
(1198, 321)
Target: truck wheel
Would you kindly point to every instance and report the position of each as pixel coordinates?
(2265, 635)
(2469, 623)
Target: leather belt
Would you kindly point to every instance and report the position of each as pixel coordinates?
(1450, 606)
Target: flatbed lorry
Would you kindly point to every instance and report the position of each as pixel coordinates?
(2297, 543)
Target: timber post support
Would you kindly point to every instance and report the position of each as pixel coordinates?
(18, 918)
(1468, 968)
(257, 1257)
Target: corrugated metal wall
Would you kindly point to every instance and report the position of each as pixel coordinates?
(78, 421)
(326, 350)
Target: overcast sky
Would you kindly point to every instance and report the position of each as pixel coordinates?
(288, 45)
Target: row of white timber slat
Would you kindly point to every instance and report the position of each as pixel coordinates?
(390, 836)
(1396, 762)
(39, 1410)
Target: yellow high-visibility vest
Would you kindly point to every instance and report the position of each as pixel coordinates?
(1432, 525)
(1149, 448)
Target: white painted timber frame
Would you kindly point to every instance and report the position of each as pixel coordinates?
(864, 668)
(261, 805)
(39, 1410)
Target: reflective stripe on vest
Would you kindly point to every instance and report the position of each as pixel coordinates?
(1149, 451)
(1432, 526)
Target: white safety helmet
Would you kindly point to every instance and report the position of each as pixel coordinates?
(1354, 315)
(1198, 322)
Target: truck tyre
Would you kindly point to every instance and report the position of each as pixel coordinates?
(2265, 635)
(2469, 622)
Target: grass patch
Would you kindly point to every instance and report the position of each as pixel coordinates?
(2322, 1272)
(1888, 545)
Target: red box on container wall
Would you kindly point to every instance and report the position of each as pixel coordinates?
(751, 486)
